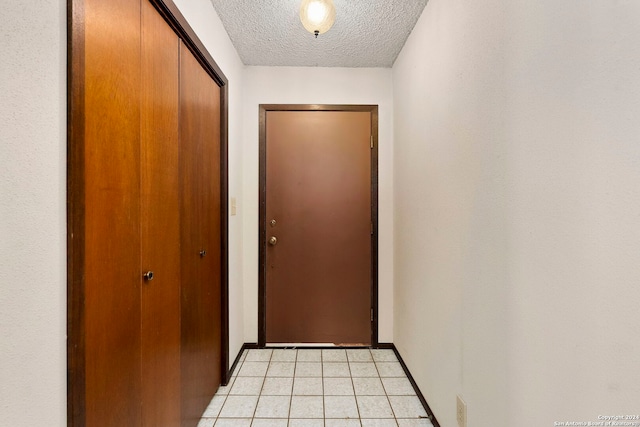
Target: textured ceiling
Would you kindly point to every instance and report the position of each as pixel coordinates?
(367, 33)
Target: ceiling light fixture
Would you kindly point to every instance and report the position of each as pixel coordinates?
(317, 16)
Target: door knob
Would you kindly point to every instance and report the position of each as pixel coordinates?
(203, 253)
(148, 276)
(273, 240)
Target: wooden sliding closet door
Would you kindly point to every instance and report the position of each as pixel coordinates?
(111, 246)
(160, 215)
(200, 249)
(146, 217)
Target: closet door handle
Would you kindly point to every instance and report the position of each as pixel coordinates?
(203, 253)
(148, 276)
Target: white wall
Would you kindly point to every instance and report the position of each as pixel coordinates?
(517, 193)
(292, 85)
(205, 22)
(32, 213)
(574, 211)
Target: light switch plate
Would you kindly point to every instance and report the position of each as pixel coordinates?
(233, 206)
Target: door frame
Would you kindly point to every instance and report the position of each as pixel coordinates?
(262, 235)
(76, 408)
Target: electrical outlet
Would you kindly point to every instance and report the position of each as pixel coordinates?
(461, 412)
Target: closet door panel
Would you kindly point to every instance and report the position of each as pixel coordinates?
(211, 226)
(112, 213)
(191, 218)
(200, 359)
(160, 222)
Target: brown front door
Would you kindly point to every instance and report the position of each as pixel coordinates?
(318, 227)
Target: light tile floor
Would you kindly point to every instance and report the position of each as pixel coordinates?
(317, 388)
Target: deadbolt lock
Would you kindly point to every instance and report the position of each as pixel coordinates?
(273, 222)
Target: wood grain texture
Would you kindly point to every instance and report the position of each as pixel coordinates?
(160, 222)
(225, 364)
(75, 215)
(170, 11)
(318, 190)
(108, 197)
(112, 207)
(200, 231)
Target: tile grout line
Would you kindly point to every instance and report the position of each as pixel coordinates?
(293, 384)
(263, 380)
(355, 399)
(324, 412)
(224, 401)
(386, 394)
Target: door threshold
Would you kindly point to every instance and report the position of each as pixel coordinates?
(299, 344)
(315, 345)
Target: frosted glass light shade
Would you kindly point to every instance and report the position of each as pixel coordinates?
(317, 16)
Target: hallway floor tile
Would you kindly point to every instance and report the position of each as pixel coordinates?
(316, 388)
